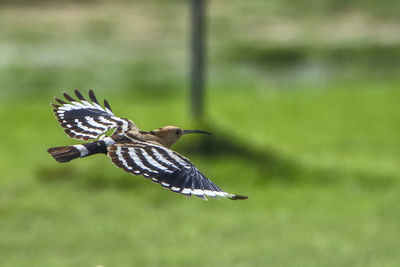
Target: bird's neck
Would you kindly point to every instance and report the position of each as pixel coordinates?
(148, 137)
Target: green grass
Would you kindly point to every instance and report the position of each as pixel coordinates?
(319, 194)
(315, 148)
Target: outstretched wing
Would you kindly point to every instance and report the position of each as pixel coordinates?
(166, 167)
(85, 120)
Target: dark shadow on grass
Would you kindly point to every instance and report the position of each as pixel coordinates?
(87, 177)
(273, 166)
(270, 166)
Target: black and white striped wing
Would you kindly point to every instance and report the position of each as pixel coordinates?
(85, 120)
(166, 167)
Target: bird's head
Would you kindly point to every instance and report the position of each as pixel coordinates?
(171, 134)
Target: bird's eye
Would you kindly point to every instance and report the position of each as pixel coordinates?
(177, 132)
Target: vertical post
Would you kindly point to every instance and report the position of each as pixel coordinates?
(197, 57)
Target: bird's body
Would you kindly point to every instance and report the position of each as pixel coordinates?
(137, 152)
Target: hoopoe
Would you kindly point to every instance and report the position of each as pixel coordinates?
(138, 152)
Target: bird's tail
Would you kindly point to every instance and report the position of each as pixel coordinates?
(64, 153)
(67, 153)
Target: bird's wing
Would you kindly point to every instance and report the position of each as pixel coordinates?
(85, 120)
(166, 167)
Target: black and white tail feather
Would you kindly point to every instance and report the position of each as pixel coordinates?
(86, 120)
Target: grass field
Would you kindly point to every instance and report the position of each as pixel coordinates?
(310, 133)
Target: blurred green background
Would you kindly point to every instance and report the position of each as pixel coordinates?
(303, 99)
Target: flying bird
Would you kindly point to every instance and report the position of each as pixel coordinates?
(145, 153)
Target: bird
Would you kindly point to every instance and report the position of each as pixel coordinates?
(145, 153)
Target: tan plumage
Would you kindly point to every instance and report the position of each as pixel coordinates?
(165, 136)
(137, 152)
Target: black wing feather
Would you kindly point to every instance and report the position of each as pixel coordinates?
(107, 105)
(79, 95)
(68, 97)
(59, 101)
(84, 120)
(165, 167)
(93, 97)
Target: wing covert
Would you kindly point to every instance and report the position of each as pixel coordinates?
(166, 167)
(84, 120)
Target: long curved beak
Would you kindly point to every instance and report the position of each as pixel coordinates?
(195, 131)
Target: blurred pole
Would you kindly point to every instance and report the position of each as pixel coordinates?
(197, 57)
